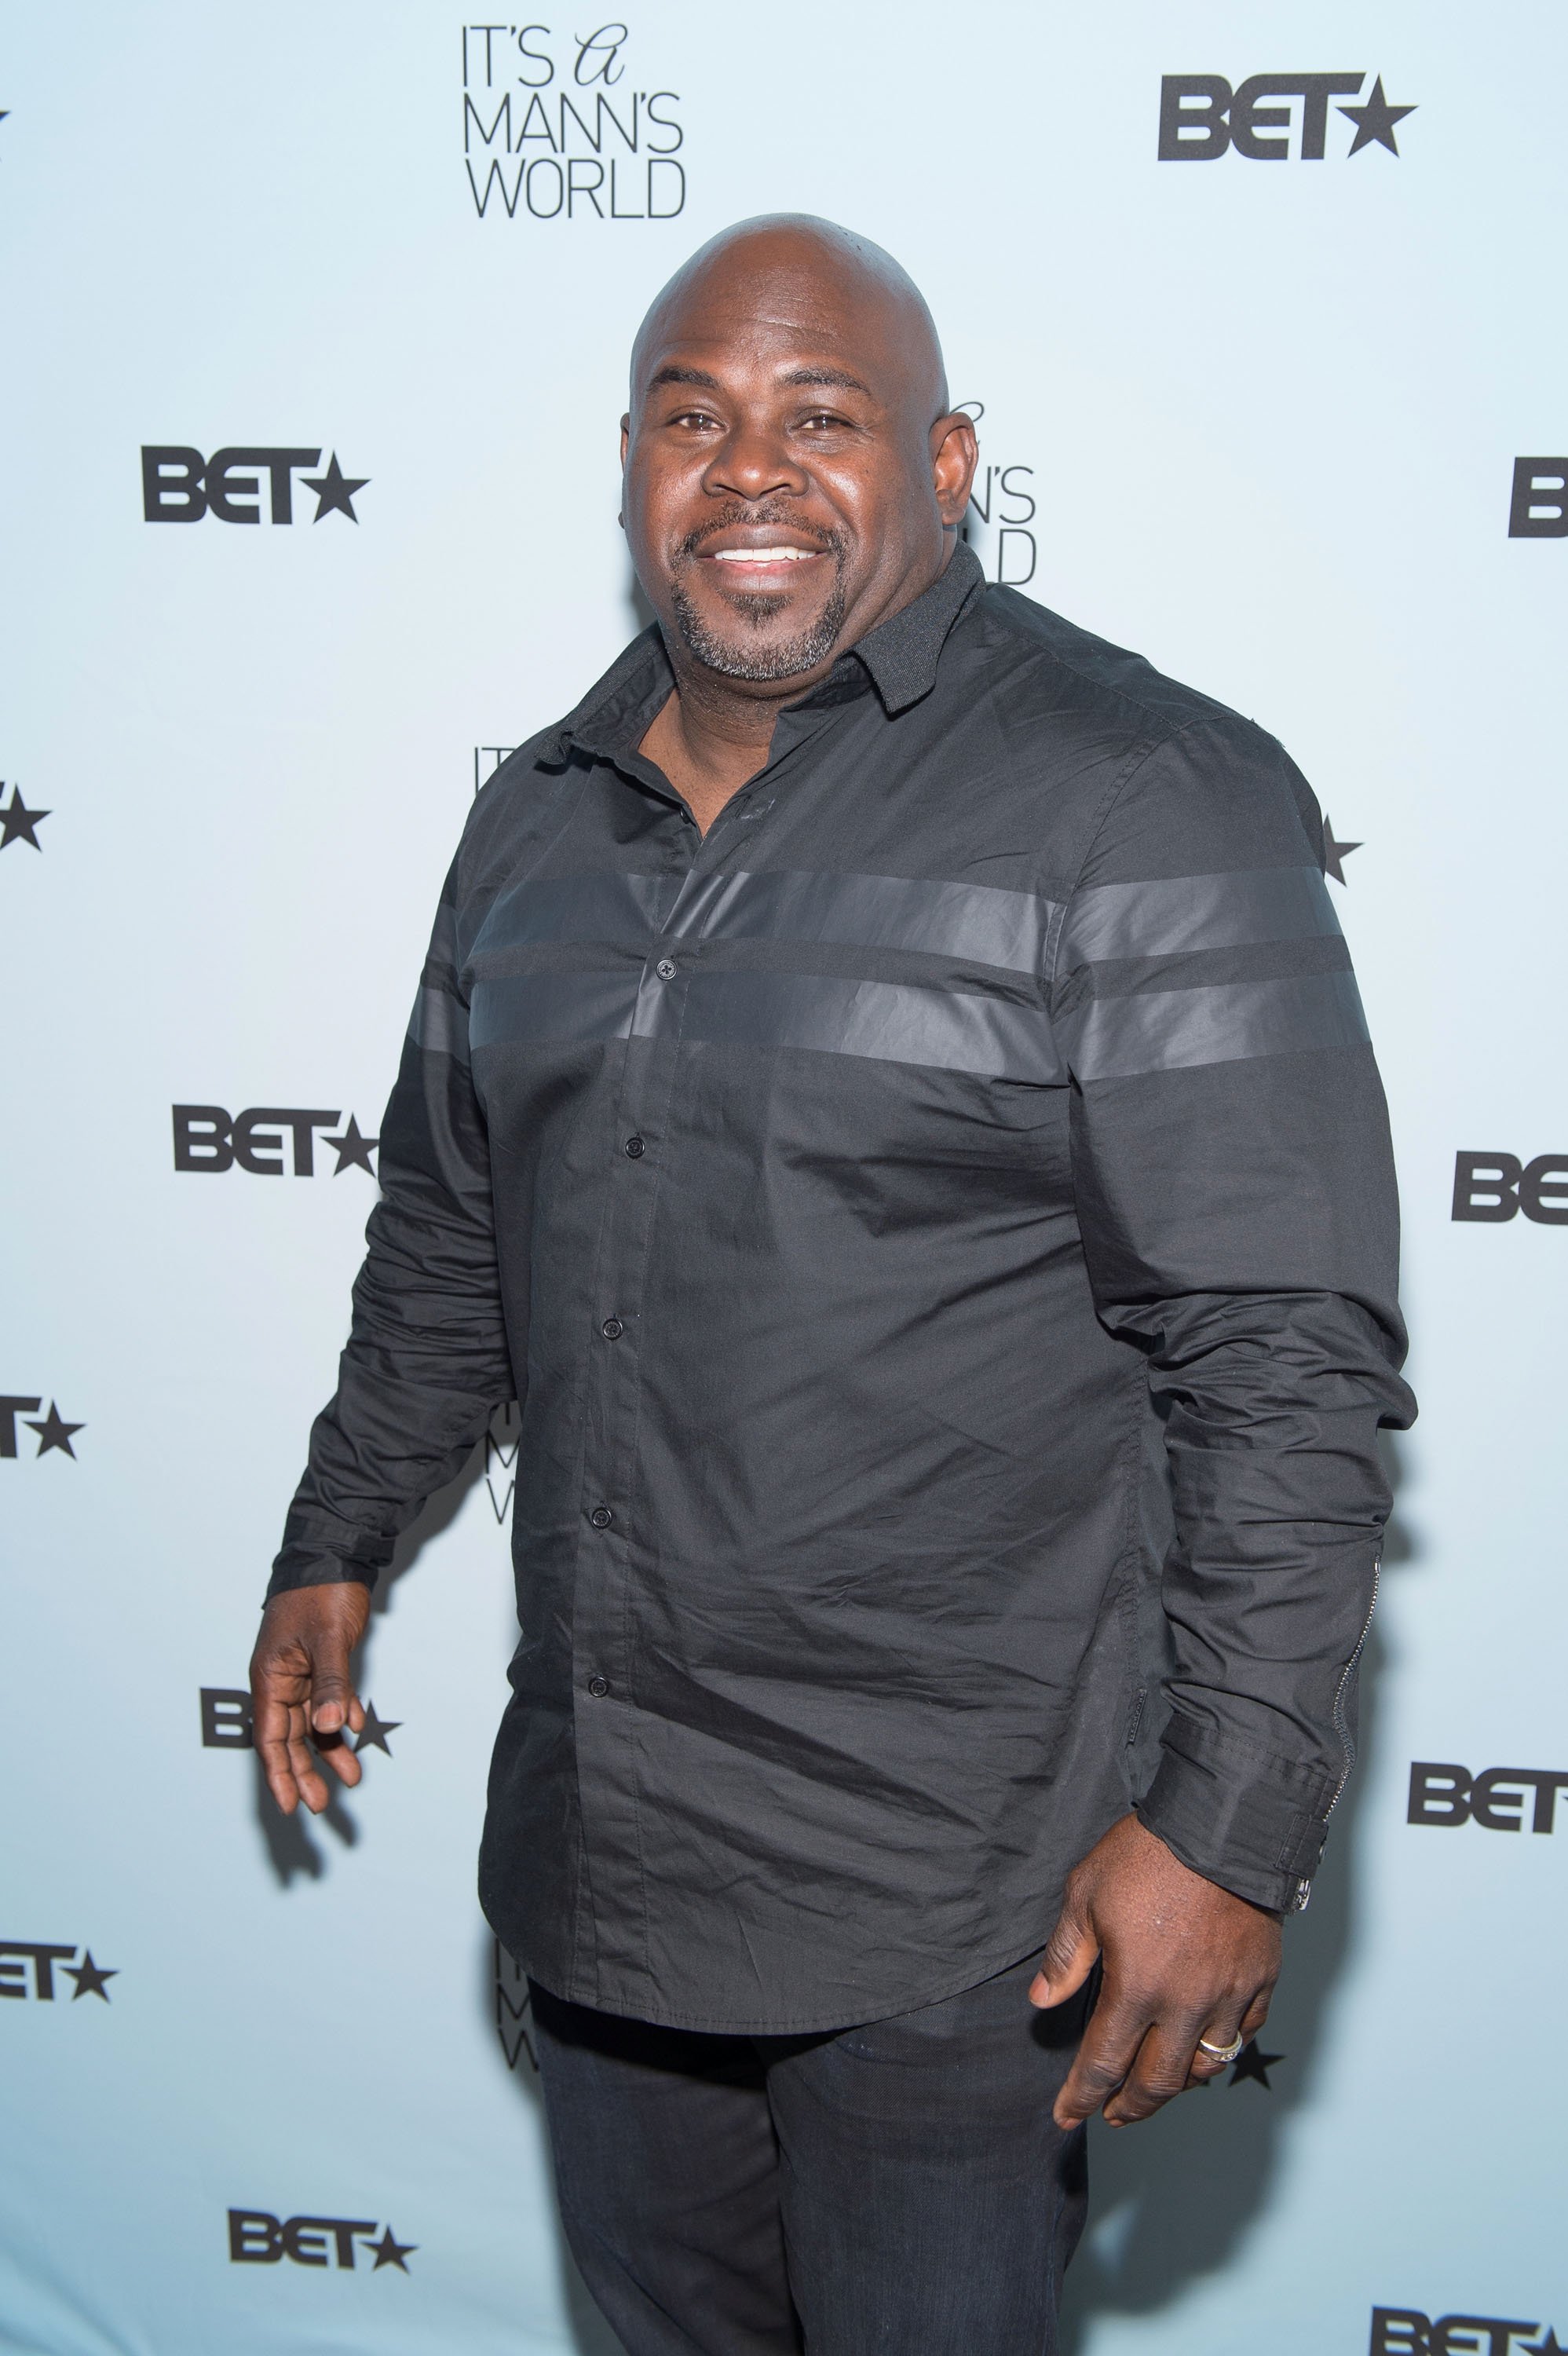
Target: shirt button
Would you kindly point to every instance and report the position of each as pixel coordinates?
(601, 1518)
(636, 1148)
(598, 1688)
(612, 1329)
(664, 969)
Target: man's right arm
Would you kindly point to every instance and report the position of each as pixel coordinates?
(425, 1364)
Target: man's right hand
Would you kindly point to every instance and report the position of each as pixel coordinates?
(301, 1690)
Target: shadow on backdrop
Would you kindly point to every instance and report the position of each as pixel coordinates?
(504, 1997)
(1173, 2199)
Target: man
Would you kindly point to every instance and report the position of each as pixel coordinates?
(889, 1096)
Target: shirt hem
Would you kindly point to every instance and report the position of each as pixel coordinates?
(978, 1968)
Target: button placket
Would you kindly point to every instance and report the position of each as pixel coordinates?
(605, 1607)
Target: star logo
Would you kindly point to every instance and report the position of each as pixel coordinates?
(353, 1150)
(1252, 2062)
(54, 1431)
(1375, 120)
(91, 1978)
(1336, 854)
(1550, 2346)
(334, 489)
(374, 1731)
(390, 2251)
(18, 822)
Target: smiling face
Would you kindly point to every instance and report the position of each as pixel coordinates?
(792, 474)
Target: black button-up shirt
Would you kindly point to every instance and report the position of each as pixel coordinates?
(940, 1229)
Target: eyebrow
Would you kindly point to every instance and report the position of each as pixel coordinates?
(840, 379)
(674, 374)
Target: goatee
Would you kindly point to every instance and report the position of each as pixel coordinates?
(737, 658)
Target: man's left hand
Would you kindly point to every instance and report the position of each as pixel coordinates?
(1182, 1959)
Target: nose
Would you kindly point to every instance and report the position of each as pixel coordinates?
(754, 464)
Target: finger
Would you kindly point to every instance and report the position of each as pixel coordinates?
(270, 1729)
(1256, 2013)
(279, 1776)
(343, 1762)
(331, 1695)
(1219, 2032)
(307, 1775)
(1071, 1954)
(1105, 2054)
(1159, 2072)
(1212, 2044)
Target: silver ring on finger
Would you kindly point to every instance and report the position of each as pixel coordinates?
(1221, 2053)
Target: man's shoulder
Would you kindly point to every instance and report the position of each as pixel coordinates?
(517, 794)
(522, 773)
(1046, 667)
(1147, 768)
(525, 786)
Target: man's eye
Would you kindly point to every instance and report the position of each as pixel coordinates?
(694, 417)
(821, 419)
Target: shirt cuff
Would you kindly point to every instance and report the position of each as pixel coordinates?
(312, 1556)
(1244, 1818)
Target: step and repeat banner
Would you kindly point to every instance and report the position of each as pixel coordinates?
(317, 329)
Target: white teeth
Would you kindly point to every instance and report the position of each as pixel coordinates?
(760, 555)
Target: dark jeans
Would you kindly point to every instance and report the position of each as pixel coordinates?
(897, 2189)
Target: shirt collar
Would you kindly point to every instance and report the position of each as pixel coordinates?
(901, 653)
(900, 656)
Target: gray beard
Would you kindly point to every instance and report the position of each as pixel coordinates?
(737, 660)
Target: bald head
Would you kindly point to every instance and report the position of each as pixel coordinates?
(792, 266)
(792, 472)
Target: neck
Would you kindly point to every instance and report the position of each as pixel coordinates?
(714, 733)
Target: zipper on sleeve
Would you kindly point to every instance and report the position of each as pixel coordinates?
(1341, 1722)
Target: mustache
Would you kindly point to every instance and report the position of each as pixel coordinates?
(765, 512)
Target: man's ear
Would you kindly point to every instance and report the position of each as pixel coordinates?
(954, 454)
(626, 436)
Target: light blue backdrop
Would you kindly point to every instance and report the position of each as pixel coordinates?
(1261, 419)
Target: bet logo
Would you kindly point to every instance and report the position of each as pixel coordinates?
(1201, 117)
(38, 1984)
(1405, 2331)
(206, 1138)
(52, 1429)
(257, 2238)
(226, 1722)
(1491, 1187)
(1539, 506)
(18, 822)
(179, 485)
(1442, 1793)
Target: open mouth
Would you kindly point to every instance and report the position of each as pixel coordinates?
(775, 564)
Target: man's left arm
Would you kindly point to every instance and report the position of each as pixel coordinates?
(1235, 1192)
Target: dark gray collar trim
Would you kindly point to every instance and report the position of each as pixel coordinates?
(901, 653)
(634, 687)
